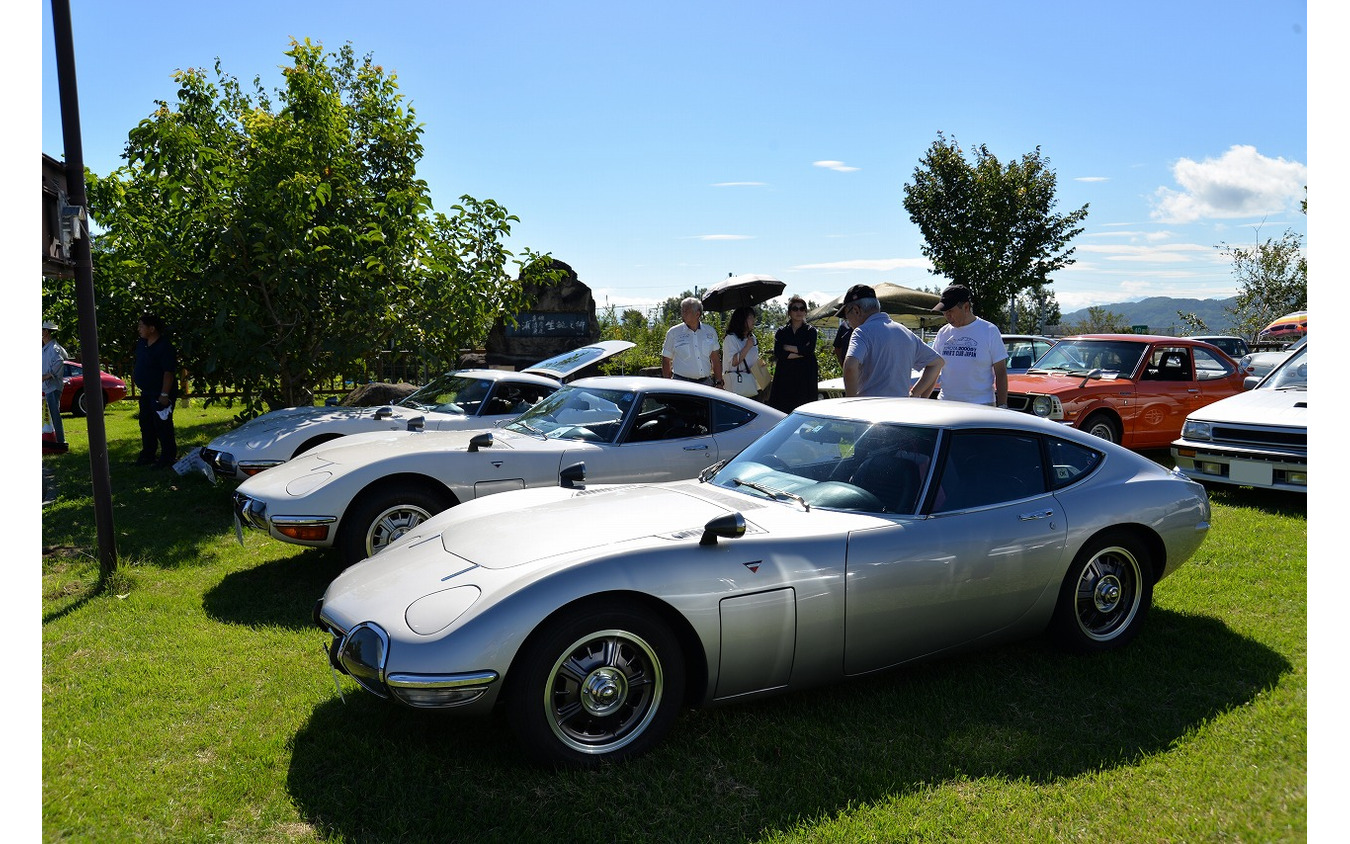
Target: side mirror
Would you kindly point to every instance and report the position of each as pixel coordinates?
(481, 441)
(572, 476)
(730, 526)
(417, 423)
(384, 413)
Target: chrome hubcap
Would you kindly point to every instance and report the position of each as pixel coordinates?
(1107, 594)
(604, 691)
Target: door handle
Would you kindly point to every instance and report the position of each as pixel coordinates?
(696, 447)
(1039, 514)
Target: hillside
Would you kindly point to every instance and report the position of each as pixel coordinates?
(1159, 313)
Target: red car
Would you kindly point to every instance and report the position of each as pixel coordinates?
(73, 396)
(1131, 389)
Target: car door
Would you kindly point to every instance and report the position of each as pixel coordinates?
(669, 438)
(991, 543)
(1168, 392)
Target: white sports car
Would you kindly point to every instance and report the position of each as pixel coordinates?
(364, 491)
(463, 400)
(857, 535)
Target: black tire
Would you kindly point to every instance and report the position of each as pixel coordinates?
(379, 518)
(310, 443)
(1105, 595)
(1102, 425)
(77, 406)
(599, 683)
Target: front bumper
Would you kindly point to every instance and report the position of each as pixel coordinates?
(313, 531)
(363, 654)
(226, 465)
(1263, 468)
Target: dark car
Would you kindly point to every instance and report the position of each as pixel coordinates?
(74, 394)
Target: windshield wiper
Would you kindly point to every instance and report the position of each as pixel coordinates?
(775, 494)
(712, 470)
(530, 429)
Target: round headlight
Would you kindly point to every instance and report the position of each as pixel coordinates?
(1042, 406)
(363, 653)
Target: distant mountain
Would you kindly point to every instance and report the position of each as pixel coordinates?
(1159, 313)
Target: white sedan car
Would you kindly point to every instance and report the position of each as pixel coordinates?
(364, 491)
(1258, 438)
(463, 400)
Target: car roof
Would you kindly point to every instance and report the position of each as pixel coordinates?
(1134, 338)
(942, 414)
(648, 383)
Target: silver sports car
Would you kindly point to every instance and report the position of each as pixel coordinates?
(364, 491)
(462, 400)
(857, 535)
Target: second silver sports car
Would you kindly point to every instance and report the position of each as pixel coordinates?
(858, 535)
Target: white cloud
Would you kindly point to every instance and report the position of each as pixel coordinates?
(837, 166)
(1171, 252)
(1150, 237)
(1241, 183)
(739, 184)
(1093, 179)
(722, 237)
(881, 264)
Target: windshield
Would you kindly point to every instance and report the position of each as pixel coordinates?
(578, 413)
(1079, 357)
(839, 464)
(1291, 375)
(450, 393)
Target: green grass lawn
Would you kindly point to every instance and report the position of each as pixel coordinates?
(191, 701)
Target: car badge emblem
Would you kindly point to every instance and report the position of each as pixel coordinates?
(754, 567)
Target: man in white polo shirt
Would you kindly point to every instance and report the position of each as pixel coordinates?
(976, 368)
(692, 351)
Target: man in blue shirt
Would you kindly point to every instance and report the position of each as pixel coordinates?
(882, 353)
(156, 363)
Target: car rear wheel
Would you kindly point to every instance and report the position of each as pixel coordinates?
(379, 519)
(1105, 595)
(79, 406)
(1103, 426)
(599, 683)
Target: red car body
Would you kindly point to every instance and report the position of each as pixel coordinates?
(1133, 389)
(73, 394)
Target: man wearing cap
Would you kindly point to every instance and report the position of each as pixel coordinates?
(976, 368)
(882, 353)
(692, 351)
(53, 381)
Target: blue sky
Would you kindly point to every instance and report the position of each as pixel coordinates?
(660, 147)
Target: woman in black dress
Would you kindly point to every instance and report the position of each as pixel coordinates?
(795, 372)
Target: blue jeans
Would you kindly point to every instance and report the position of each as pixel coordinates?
(54, 411)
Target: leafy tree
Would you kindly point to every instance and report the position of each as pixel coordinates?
(1272, 281)
(286, 245)
(1099, 321)
(1036, 308)
(989, 226)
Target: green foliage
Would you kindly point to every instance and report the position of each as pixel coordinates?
(285, 245)
(193, 702)
(1036, 308)
(1099, 320)
(1272, 281)
(988, 226)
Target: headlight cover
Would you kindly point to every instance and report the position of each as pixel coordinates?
(363, 653)
(1047, 407)
(1194, 430)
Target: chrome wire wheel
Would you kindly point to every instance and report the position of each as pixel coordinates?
(393, 523)
(1108, 593)
(603, 691)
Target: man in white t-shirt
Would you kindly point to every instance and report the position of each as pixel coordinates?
(692, 351)
(976, 361)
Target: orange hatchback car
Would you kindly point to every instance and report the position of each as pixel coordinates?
(1131, 389)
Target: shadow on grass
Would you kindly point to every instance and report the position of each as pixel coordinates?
(280, 593)
(374, 770)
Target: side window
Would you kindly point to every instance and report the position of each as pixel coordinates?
(989, 467)
(728, 416)
(670, 417)
(1070, 461)
(514, 397)
(1209, 366)
(1169, 363)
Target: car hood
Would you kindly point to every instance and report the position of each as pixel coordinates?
(1027, 382)
(1259, 407)
(292, 419)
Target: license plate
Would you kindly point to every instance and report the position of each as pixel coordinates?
(1251, 472)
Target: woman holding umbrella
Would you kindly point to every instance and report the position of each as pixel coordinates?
(795, 373)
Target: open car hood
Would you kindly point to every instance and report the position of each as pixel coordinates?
(567, 364)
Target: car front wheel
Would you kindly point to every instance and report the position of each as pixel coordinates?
(379, 519)
(598, 683)
(1105, 595)
(1103, 426)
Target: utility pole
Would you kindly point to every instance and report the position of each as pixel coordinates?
(74, 223)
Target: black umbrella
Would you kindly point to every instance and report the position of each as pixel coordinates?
(741, 291)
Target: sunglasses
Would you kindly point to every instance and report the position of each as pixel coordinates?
(796, 307)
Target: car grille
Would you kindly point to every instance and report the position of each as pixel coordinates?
(1283, 439)
(1019, 402)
